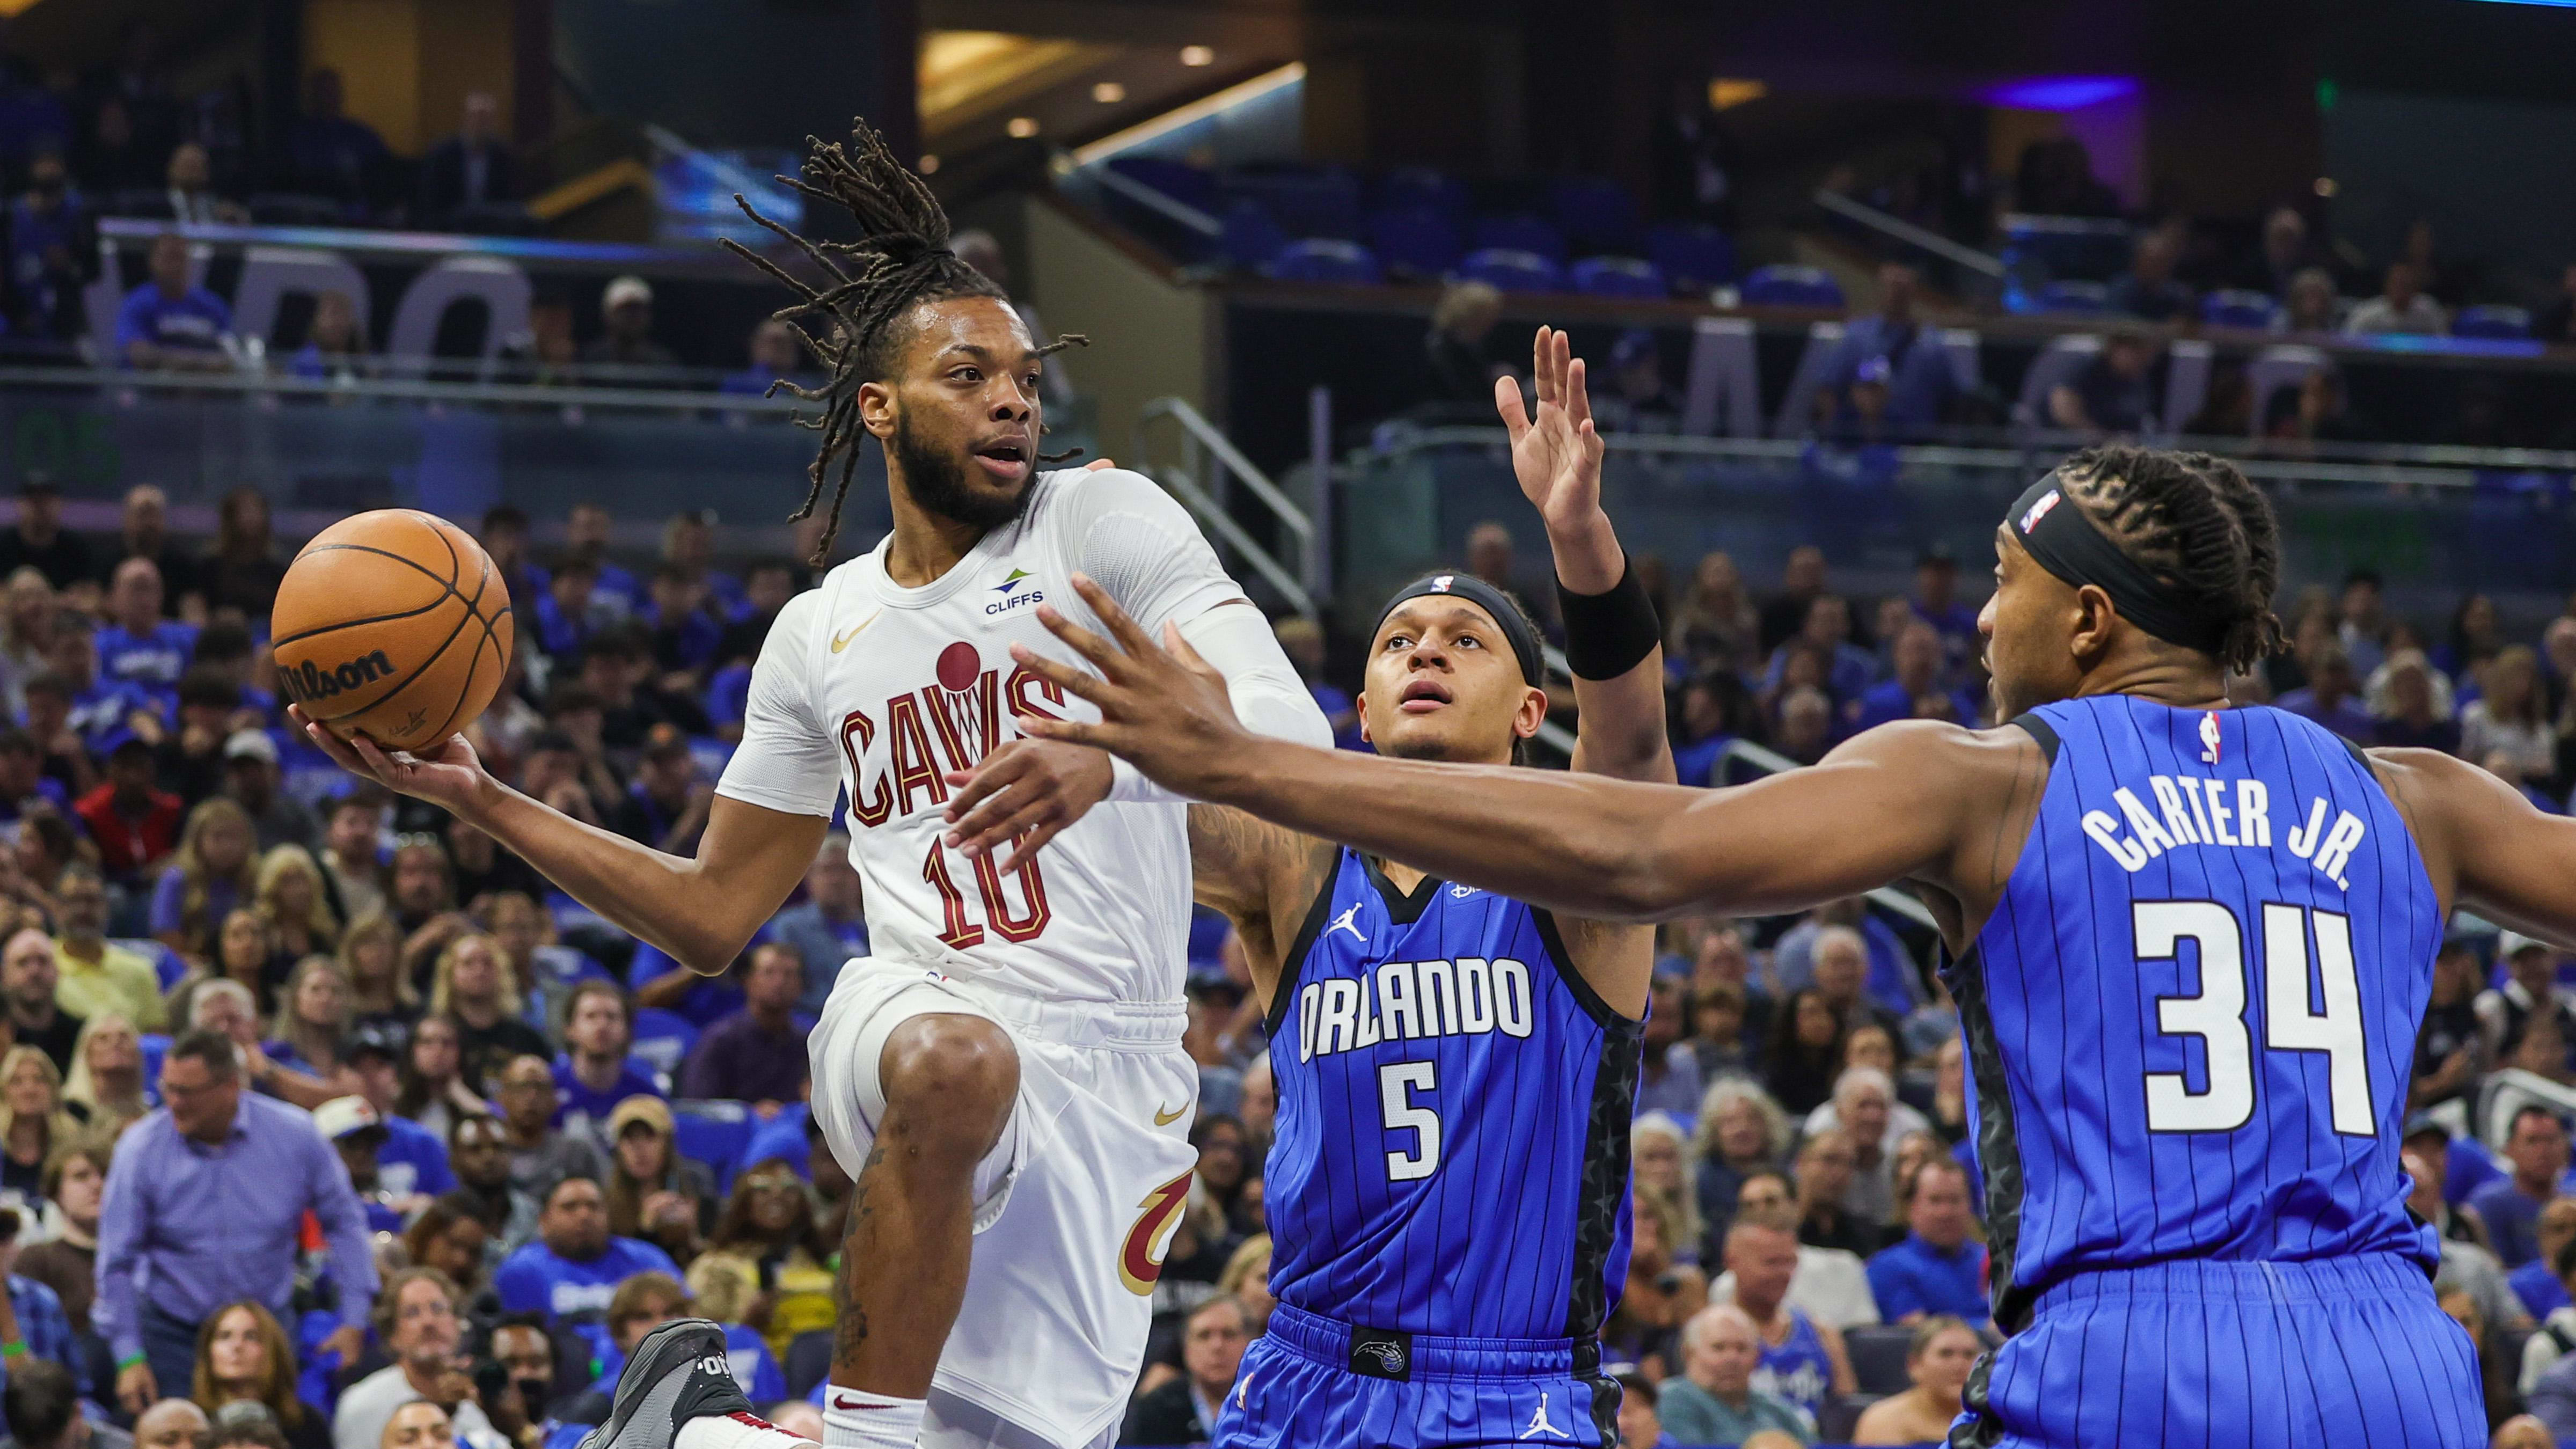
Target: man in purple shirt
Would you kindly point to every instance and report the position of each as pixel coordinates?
(756, 1055)
(594, 1072)
(168, 325)
(2331, 697)
(204, 1202)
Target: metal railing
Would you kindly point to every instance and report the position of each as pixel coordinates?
(1209, 495)
(1897, 228)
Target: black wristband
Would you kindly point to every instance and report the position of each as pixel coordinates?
(1606, 635)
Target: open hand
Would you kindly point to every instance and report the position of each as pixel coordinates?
(447, 773)
(1028, 791)
(1556, 455)
(1162, 708)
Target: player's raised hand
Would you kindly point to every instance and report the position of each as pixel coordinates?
(1556, 454)
(449, 774)
(1162, 708)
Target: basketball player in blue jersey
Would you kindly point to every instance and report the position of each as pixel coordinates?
(1448, 1191)
(2190, 945)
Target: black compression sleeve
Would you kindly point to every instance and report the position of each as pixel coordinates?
(1606, 635)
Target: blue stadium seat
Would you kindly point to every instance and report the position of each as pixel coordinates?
(2237, 308)
(1878, 1357)
(1305, 200)
(2512, 323)
(1594, 211)
(156, 1045)
(1421, 188)
(165, 962)
(714, 1133)
(1520, 233)
(1324, 259)
(1251, 236)
(809, 1361)
(1513, 270)
(1414, 240)
(1617, 277)
(1694, 255)
(663, 1038)
(1786, 286)
(2077, 297)
(1184, 183)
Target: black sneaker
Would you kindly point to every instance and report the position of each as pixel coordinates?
(678, 1373)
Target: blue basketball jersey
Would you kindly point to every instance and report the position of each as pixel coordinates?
(1452, 1149)
(2190, 1018)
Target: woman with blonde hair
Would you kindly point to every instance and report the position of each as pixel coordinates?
(107, 1074)
(214, 872)
(26, 634)
(1247, 1280)
(1717, 623)
(1666, 1167)
(32, 1120)
(291, 899)
(474, 986)
(2509, 723)
(1741, 1131)
(1943, 1351)
(243, 1356)
(243, 955)
(311, 1031)
(371, 960)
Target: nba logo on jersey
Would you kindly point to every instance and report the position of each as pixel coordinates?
(2209, 737)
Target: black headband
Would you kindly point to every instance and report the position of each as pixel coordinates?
(1507, 615)
(2058, 536)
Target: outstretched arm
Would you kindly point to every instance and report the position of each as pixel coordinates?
(2486, 846)
(1556, 455)
(701, 910)
(1906, 801)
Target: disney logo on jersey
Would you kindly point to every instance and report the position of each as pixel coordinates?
(1411, 1000)
(900, 753)
(1011, 600)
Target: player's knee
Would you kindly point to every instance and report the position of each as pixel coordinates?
(953, 1079)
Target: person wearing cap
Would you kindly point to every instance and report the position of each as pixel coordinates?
(39, 541)
(652, 1192)
(411, 1160)
(756, 1055)
(1921, 382)
(626, 312)
(251, 779)
(354, 1130)
(2531, 979)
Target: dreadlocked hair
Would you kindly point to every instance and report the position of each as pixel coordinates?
(900, 261)
(2200, 526)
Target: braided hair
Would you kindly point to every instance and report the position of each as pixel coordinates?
(2200, 525)
(901, 260)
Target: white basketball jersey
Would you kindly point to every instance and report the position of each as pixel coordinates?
(880, 691)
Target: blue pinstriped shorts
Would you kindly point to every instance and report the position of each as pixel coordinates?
(1298, 1388)
(2352, 1353)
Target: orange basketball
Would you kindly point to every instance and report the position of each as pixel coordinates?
(392, 624)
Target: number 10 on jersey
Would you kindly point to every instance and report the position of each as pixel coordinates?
(958, 929)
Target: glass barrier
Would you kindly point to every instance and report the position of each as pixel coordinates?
(2434, 531)
(321, 451)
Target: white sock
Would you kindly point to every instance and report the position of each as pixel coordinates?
(859, 1419)
(736, 1431)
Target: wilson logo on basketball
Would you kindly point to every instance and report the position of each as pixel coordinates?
(1140, 1258)
(308, 681)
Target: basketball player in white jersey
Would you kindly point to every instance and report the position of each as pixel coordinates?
(1004, 1078)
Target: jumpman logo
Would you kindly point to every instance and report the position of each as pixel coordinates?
(1538, 1423)
(1346, 922)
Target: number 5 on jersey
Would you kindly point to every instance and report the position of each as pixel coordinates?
(1396, 1084)
(2217, 1014)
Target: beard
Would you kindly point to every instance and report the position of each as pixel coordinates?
(937, 480)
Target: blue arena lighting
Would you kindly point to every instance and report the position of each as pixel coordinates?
(2062, 92)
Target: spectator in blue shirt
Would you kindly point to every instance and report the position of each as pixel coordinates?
(1937, 1268)
(574, 1267)
(168, 325)
(42, 1325)
(2332, 697)
(563, 611)
(1827, 629)
(642, 1304)
(138, 646)
(205, 1205)
(778, 353)
(1918, 656)
(826, 930)
(685, 633)
(102, 709)
(1919, 383)
(588, 531)
(594, 1073)
(2536, 1145)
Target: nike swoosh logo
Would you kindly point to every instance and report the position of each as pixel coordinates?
(1166, 1119)
(840, 1402)
(842, 640)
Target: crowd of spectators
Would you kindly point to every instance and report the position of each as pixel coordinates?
(325, 1121)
